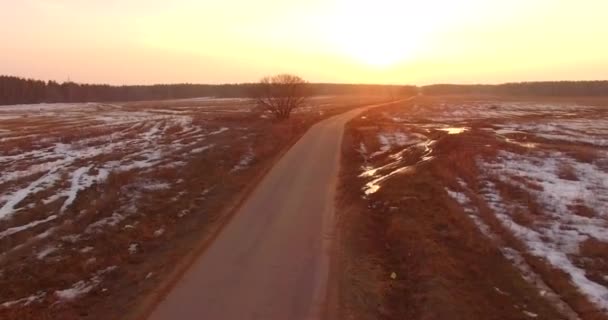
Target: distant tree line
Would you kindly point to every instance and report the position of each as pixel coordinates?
(548, 88)
(14, 90)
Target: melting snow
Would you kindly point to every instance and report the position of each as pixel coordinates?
(25, 301)
(471, 210)
(159, 232)
(501, 291)
(83, 287)
(82, 181)
(156, 186)
(111, 221)
(396, 166)
(218, 131)
(13, 230)
(201, 149)
(45, 252)
(245, 161)
(561, 231)
(392, 140)
(86, 249)
(15, 198)
(133, 248)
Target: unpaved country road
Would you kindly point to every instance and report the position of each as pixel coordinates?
(271, 260)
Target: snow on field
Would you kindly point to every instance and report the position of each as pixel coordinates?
(552, 195)
(50, 154)
(464, 201)
(74, 291)
(498, 110)
(391, 140)
(45, 252)
(246, 160)
(83, 286)
(585, 131)
(400, 162)
(557, 231)
(24, 301)
(514, 256)
(559, 122)
(147, 140)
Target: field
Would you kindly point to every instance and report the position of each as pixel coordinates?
(476, 208)
(99, 202)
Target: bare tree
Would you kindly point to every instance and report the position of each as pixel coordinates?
(281, 94)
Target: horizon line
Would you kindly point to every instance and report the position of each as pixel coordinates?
(310, 82)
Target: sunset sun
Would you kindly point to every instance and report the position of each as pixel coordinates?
(377, 48)
(378, 34)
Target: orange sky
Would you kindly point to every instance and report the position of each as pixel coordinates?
(381, 41)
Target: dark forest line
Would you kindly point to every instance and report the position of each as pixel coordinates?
(14, 90)
(544, 88)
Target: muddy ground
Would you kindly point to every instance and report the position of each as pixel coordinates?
(475, 208)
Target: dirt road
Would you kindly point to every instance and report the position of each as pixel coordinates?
(271, 260)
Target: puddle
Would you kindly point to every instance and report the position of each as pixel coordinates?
(371, 188)
(454, 130)
(500, 133)
(529, 145)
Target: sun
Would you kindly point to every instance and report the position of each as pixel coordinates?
(376, 46)
(378, 33)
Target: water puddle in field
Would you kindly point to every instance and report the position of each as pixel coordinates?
(421, 152)
(454, 130)
(529, 145)
(501, 134)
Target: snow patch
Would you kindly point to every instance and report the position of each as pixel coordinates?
(245, 161)
(100, 224)
(13, 230)
(556, 236)
(392, 140)
(45, 252)
(83, 287)
(201, 149)
(156, 186)
(86, 249)
(159, 232)
(25, 301)
(530, 314)
(15, 198)
(133, 248)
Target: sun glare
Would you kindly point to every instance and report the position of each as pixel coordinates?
(378, 48)
(380, 33)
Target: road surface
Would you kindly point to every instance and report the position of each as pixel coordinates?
(271, 260)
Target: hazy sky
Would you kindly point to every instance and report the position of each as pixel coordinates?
(377, 41)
